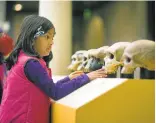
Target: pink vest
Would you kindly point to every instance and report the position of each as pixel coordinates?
(22, 101)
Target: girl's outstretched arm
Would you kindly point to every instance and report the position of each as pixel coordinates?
(38, 75)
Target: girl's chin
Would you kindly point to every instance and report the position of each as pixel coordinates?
(46, 54)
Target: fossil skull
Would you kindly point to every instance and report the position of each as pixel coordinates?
(96, 59)
(76, 60)
(140, 53)
(113, 56)
(84, 61)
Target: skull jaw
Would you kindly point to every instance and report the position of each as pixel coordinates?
(127, 70)
(87, 66)
(87, 69)
(73, 67)
(80, 67)
(109, 70)
(112, 67)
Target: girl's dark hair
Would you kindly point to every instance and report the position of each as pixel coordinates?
(1, 58)
(48, 58)
(25, 40)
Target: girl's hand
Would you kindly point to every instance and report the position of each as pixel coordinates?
(75, 74)
(101, 73)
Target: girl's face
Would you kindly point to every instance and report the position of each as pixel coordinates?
(44, 43)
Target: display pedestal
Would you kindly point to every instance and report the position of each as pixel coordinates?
(108, 100)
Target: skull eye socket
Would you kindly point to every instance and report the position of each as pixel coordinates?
(111, 56)
(128, 60)
(85, 64)
(92, 57)
(98, 59)
(74, 59)
(85, 58)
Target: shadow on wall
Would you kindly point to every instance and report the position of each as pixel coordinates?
(94, 37)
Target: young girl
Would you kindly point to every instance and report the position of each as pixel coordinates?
(29, 87)
(6, 45)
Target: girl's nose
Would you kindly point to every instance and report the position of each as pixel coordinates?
(51, 42)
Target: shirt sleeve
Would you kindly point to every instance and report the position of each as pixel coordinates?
(38, 75)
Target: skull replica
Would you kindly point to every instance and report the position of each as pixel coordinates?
(77, 59)
(84, 61)
(140, 53)
(95, 61)
(113, 56)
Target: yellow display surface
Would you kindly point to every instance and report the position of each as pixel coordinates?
(127, 101)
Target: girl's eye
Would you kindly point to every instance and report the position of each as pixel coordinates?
(47, 37)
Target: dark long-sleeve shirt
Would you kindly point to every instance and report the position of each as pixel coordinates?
(38, 75)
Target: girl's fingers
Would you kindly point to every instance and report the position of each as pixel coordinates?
(101, 75)
(77, 72)
(100, 69)
(102, 72)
